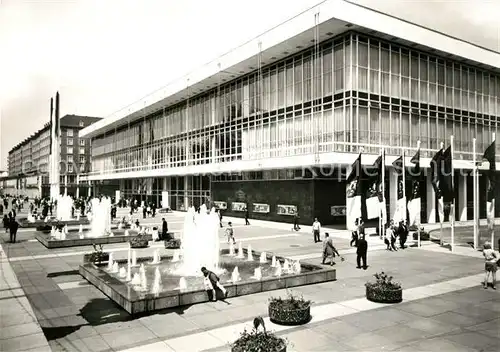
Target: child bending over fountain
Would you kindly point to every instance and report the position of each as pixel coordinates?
(212, 281)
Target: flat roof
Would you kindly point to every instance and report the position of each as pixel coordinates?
(290, 37)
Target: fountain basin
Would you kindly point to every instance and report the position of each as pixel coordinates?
(135, 301)
(73, 239)
(24, 223)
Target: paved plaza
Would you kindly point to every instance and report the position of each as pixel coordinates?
(45, 302)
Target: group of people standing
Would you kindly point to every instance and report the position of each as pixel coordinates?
(10, 223)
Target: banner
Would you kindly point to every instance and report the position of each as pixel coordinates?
(372, 194)
(400, 213)
(489, 154)
(353, 195)
(414, 205)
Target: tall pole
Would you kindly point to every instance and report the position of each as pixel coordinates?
(439, 203)
(404, 187)
(383, 211)
(419, 243)
(452, 210)
(474, 190)
(493, 208)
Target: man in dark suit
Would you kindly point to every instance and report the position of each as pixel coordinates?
(13, 226)
(403, 234)
(246, 216)
(164, 230)
(296, 217)
(361, 252)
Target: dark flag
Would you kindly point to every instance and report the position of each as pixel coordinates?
(353, 195)
(446, 176)
(56, 118)
(400, 213)
(435, 166)
(372, 194)
(489, 154)
(51, 123)
(414, 205)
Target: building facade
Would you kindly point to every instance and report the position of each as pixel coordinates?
(28, 162)
(279, 125)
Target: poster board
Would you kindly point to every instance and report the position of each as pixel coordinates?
(282, 209)
(261, 208)
(238, 206)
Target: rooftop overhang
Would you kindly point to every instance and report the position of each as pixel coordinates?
(335, 17)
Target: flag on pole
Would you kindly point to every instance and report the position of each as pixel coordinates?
(57, 129)
(372, 194)
(51, 123)
(353, 195)
(489, 154)
(381, 189)
(400, 213)
(446, 176)
(414, 205)
(435, 167)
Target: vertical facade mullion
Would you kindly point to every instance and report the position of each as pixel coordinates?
(352, 37)
(357, 98)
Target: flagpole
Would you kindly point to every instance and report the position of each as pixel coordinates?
(440, 217)
(404, 186)
(493, 201)
(382, 211)
(474, 191)
(452, 212)
(418, 214)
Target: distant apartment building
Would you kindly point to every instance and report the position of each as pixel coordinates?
(28, 162)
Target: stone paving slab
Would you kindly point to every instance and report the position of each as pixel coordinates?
(19, 327)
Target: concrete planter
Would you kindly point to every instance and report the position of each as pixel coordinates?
(282, 348)
(381, 294)
(139, 241)
(281, 315)
(173, 244)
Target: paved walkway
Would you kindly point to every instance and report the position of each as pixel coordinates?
(19, 328)
(444, 305)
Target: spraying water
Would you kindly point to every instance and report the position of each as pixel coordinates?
(64, 205)
(100, 223)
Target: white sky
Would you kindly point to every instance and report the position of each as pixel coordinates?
(105, 54)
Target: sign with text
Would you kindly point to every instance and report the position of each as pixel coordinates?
(286, 209)
(237, 206)
(338, 210)
(220, 205)
(261, 208)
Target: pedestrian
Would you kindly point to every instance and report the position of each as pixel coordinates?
(164, 230)
(296, 218)
(329, 250)
(212, 282)
(361, 252)
(387, 237)
(230, 232)
(316, 228)
(13, 226)
(153, 209)
(220, 218)
(246, 216)
(490, 265)
(144, 212)
(6, 223)
(403, 234)
(393, 239)
(354, 234)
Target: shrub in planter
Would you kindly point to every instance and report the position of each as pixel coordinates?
(44, 228)
(258, 341)
(384, 290)
(293, 310)
(97, 256)
(424, 236)
(174, 243)
(139, 241)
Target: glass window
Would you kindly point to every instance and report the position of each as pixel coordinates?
(82, 151)
(385, 60)
(362, 54)
(69, 150)
(374, 59)
(405, 66)
(69, 132)
(70, 168)
(338, 59)
(395, 63)
(70, 158)
(69, 141)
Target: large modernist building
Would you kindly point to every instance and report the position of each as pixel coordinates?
(277, 123)
(28, 162)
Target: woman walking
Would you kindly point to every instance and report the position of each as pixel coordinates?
(490, 265)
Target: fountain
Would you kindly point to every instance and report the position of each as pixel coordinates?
(177, 256)
(110, 262)
(156, 257)
(120, 225)
(257, 273)
(180, 276)
(286, 267)
(136, 280)
(134, 258)
(182, 283)
(144, 280)
(297, 268)
(279, 271)
(235, 276)
(80, 229)
(199, 243)
(127, 233)
(63, 209)
(53, 231)
(122, 273)
(250, 253)
(157, 287)
(115, 268)
(241, 255)
(100, 223)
